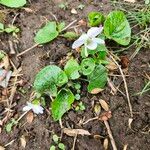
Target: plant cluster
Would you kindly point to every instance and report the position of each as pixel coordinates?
(58, 144)
(55, 81)
(10, 29)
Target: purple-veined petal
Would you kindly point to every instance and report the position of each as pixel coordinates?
(80, 41)
(91, 45)
(94, 31)
(98, 40)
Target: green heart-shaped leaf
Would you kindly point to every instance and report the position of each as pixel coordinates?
(13, 3)
(97, 79)
(62, 103)
(95, 18)
(48, 79)
(47, 33)
(87, 66)
(71, 69)
(117, 28)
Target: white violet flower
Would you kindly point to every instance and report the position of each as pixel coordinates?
(89, 40)
(36, 108)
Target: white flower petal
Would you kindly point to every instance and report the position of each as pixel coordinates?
(91, 45)
(26, 108)
(98, 40)
(29, 104)
(80, 41)
(37, 109)
(94, 31)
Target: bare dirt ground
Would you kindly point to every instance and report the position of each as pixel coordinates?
(39, 133)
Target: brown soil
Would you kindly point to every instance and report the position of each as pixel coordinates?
(39, 133)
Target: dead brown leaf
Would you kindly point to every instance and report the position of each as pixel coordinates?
(23, 141)
(96, 91)
(112, 86)
(73, 11)
(6, 62)
(130, 122)
(105, 144)
(111, 66)
(104, 105)
(130, 1)
(125, 147)
(124, 62)
(28, 10)
(2, 148)
(74, 132)
(105, 116)
(30, 117)
(1, 123)
(82, 23)
(4, 77)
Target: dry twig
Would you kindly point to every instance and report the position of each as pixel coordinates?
(74, 142)
(125, 84)
(69, 25)
(27, 50)
(110, 135)
(91, 119)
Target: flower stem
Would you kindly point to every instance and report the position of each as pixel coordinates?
(86, 52)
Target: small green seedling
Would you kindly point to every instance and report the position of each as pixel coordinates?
(80, 107)
(77, 96)
(147, 2)
(145, 89)
(10, 29)
(1, 27)
(70, 35)
(52, 147)
(63, 6)
(61, 146)
(81, 6)
(58, 144)
(10, 125)
(2, 55)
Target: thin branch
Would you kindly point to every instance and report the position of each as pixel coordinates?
(74, 142)
(27, 50)
(22, 115)
(91, 119)
(69, 25)
(110, 135)
(125, 85)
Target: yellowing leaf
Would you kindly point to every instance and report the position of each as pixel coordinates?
(96, 90)
(104, 105)
(97, 109)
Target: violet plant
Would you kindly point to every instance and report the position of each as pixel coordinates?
(55, 81)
